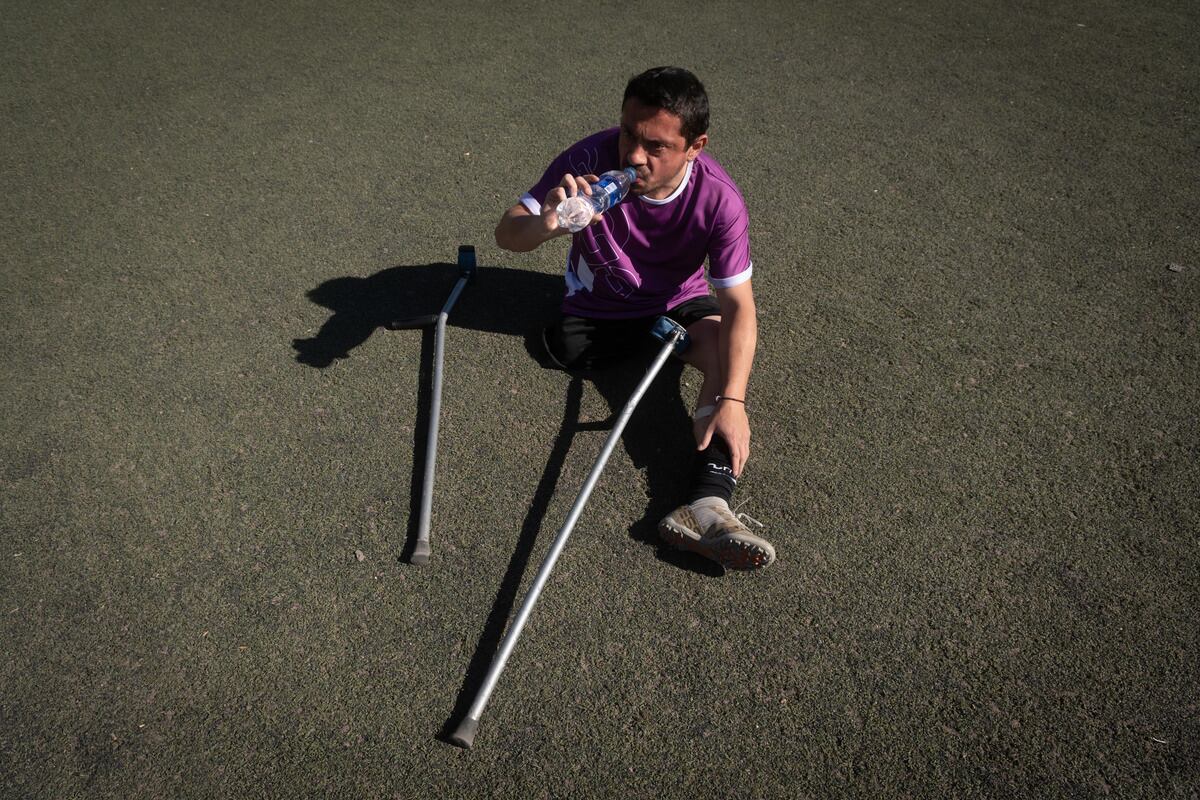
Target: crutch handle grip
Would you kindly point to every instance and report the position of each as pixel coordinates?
(466, 261)
(464, 734)
(410, 323)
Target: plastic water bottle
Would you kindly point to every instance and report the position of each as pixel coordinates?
(576, 212)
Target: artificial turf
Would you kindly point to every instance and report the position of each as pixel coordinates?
(974, 230)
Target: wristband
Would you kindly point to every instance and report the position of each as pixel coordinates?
(721, 397)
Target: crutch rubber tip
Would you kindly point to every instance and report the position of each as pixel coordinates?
(420, 554)
(464, 734)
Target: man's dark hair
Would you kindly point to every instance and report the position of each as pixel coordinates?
(676, 90)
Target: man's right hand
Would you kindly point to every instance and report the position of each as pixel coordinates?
(520, 230)
(571, 186)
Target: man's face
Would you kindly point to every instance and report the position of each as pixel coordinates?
(652, 143)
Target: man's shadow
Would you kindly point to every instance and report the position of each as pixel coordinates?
(498, 300)
(514, 302)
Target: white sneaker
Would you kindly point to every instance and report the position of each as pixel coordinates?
(709, 527)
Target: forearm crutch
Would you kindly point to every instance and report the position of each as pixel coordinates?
(466, 267)
(675, 339)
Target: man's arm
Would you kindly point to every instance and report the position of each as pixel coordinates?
(520, 230)
(736, 342)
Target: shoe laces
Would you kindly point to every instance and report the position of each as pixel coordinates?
(744, 517)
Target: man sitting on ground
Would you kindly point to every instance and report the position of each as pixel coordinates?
(645, 258)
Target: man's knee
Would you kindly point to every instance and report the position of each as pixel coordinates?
(577, 344)
(559, 351)
(703, 353)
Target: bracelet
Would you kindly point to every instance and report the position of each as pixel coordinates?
(721, 397)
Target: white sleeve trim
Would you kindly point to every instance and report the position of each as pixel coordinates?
(741, 277)
(533, 205)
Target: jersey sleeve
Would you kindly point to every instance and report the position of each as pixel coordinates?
(729, 248)
(590, 156)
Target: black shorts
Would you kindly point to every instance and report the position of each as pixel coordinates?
(587, 343)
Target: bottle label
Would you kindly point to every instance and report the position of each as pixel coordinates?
(610, 189)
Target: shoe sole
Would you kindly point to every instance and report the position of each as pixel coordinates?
(740, 551)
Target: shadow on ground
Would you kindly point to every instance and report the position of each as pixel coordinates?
(498, 300)
(657, 438)
(516, 303)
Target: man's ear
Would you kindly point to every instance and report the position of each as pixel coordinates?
(696, 146)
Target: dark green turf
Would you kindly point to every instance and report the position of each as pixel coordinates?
(974, 407)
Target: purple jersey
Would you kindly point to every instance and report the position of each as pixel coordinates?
(647, 256)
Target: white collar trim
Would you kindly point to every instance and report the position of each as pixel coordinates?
(687, 176)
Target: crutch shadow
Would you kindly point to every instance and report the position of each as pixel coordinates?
(497, 621)
(421, 431)
(659, 441)
(501, 300)
(657, 437)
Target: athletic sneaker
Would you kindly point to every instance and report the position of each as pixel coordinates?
(709, 527)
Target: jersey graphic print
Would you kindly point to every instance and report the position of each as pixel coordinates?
(592, 264)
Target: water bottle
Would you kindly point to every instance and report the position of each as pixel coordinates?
(576, 212)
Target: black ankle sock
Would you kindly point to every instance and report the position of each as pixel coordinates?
(713, 474)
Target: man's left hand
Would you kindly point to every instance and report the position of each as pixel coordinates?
(729, 421)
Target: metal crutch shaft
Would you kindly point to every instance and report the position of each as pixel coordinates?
(675, 338)
(466, 264)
